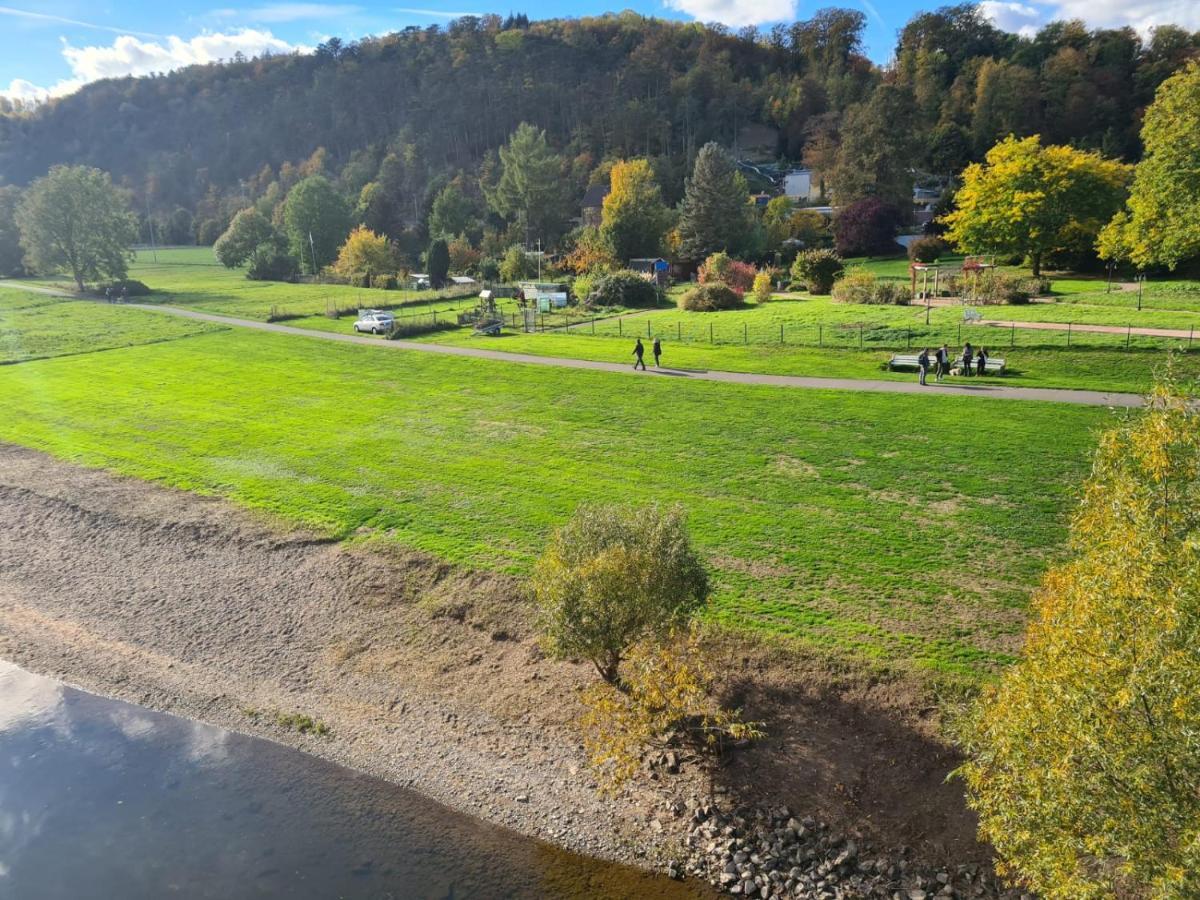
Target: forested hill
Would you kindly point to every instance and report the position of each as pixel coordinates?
(441, 100)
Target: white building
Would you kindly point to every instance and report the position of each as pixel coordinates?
(801, 184)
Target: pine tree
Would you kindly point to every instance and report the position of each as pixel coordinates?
(714, 214)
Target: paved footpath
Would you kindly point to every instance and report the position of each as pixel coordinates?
(956, 389)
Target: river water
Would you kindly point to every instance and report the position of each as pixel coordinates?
(103, 799)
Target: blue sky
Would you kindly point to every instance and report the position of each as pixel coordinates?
(54, 46)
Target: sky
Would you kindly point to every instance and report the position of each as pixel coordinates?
(52, 47)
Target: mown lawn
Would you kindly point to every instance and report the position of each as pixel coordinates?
(902, 529)
(34, 326)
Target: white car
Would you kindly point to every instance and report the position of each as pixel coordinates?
(375, 322)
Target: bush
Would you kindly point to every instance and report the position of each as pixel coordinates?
(860, 286)
(133, 288)
(710, 298)
(385, 282)
(583, 285)
(927, 249)
(489, 268)
(613, 577)
(624, 288)
(762, 287)
(818, 269)
(866, 228)
(360, 279)
(1003, 287)
(724, 269)
(273, 265)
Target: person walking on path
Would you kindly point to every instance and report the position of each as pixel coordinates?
(967, 360)
(656, 349)
(639, 351)
(923, 365)
(943, 362)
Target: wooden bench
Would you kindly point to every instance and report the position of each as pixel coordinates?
(993, 366)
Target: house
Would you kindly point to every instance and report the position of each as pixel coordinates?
(593, 204)
(656, 269)
(418, 281)
(802, 185)
(462, 280)
(544, 295)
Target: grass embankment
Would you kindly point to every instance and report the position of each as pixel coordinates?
(35, 326)
(902, 529)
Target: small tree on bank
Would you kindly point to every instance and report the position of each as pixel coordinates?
(1085, 762)
(73, 219)
(365, 251)
(612, 577)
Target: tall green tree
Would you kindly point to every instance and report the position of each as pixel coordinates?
(878, 150)
(315, 208)
(634, 219)
(454, 212)
(10, 235)
(1162, 222)
(437, 259)
(531, 190)
(75, 220)
(1084, 761)
(248, 237)
(1031, 200)
(715, 212)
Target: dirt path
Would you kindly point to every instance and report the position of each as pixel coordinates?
(427, 675)
(1181, 333)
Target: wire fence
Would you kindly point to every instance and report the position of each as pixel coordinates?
(865, 336)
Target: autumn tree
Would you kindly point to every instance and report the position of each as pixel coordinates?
(365, 251)
(634, 219)
(1084, 764)
(612, 577)
(878, 150)
(1161, 225)
(715, 212)
(317, 221)
(1032, 200)
(530, 190)
(74, 219)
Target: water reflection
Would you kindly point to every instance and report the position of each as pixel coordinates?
(104, 799)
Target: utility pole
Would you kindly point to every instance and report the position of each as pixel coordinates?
(539, 259)
(150, 225)
(312, 250)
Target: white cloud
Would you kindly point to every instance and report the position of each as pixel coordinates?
(1016, 17)
(1026, 18)
(61, 20)
(128, 55)
(275, 13)
(436, 13)
(736, 12)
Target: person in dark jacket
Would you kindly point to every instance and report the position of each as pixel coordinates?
(968, 359)
(923, 365)
(943, 362)
(656, 349)
(639, 351)
(981, 359)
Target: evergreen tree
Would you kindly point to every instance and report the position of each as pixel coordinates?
(530, 191)
(714, 214)
(10, 236)
(878, 151)
(453, 212)
(437, 260)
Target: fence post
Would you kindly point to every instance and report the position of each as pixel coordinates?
(435, 317)
(909, 347)
(710, 334)
(647, 328)
(959, 341)
(820, 334)
(679, 332)
(1128, 335)
(860, 335)
(781, 332)
(1191, 331)
(745, 333)
(593, 324)
(1013, 340)
(620, 328)
(1068, 334)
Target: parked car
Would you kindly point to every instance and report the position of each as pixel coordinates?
(375, 322)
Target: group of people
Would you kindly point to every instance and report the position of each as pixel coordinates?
(970, 362)
(639, 353)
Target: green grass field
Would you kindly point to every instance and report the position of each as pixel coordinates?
(902, 529)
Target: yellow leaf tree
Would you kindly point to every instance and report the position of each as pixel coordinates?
(365, 251)
(1030, 200)
(1085, 758)
(634, 220)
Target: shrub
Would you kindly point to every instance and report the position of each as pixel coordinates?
(710, 298)
(762, 287)
(1003, 287)
(667, 691)
(612, 577)
(860, 286)
(133, 288)
(385, 282)
(818, 269)
(624, 288)
(927, 249)
(583, 285)
(360, 280)
(275, 264)
(489, 268)
(866, 228)
(723, 268)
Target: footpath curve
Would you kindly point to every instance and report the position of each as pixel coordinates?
(995, 392)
